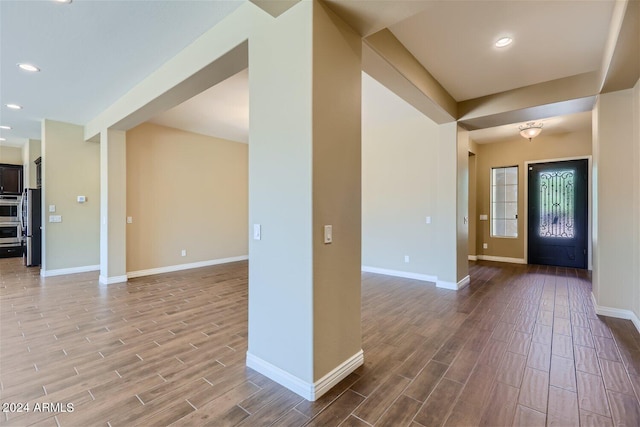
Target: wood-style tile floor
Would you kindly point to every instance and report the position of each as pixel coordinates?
(520, 346)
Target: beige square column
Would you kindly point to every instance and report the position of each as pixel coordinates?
(304, 178)
(453, 206)
(113, 204)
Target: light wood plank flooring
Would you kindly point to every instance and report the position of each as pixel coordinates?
(520, 346)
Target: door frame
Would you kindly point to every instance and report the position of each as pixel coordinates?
(589, 159)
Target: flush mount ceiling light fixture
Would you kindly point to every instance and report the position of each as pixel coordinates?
(504, 42)
(530, 130)
(14, 106)
(28, 67)
(5, 127)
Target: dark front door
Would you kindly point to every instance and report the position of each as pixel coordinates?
(558, 214)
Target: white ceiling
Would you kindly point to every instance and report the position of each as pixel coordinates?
(454, 40)
(221, 111)
(92, 52)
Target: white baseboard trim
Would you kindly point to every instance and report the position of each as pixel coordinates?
(452, 285)
(309, 391)
(397, 273)
(615, 312)
(72, 270)
(111, 280)
(179, 267)
(501, 259)
(473, 257)
(339, 373)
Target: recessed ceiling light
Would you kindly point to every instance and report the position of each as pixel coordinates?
(504, 41)
(5, 127)
(14, 106)
(62, 1)
(28, 67)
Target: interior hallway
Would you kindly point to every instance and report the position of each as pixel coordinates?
(520, 346)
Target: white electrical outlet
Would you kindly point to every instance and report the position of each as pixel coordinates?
(485, 246)
(184, 252)
(428, 220)
(406, 258)
(52, 208)
(55, 218)
(129, 220)
(484, 217)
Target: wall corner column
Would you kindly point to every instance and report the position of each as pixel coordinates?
(113, 203)
(452, 197)
(304, 174)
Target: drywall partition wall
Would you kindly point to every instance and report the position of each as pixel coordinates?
(113, 206)
(636, 209)
(30, 152)
(337, 109)
(281, 310)
(299, 286)
(473, 220)
(10, 155)
(71, 168)
(462, 204)
(515, 153)
(447, 207)
(399, 185)
(614, 261)
(185, 191)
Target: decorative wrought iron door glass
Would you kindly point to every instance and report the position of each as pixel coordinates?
(557, 203)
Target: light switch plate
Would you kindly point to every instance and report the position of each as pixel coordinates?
(257, 232)
(52, 208)
(55, 218)
(328, 234)
(484, 217)
(129, 220)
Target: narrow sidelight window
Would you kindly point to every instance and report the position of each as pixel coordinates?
(504, 202)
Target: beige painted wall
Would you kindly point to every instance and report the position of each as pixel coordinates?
(616, 245)
(280, 178)
(184, 191)
(10, 155)
(462, 204)
(399, 175)
(448, 210)
(636, 221)
(336, 190)
(30, 152)
(304, 296)
(473, 220)
(71, 168)
(113, 206)
(516, 153)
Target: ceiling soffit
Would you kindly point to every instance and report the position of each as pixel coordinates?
(624, 70)
(275, 8)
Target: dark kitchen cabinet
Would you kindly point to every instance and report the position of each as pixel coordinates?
(38, 163)
(10, 179)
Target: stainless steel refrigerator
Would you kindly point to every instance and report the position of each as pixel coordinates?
(31, 221)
